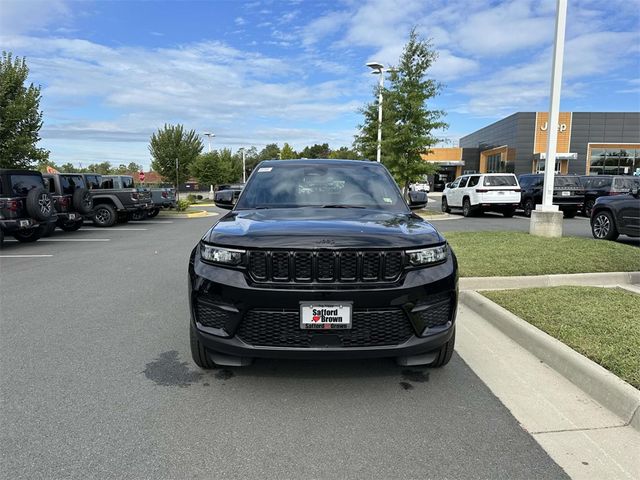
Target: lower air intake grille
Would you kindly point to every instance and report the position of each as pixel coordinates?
(282, 329)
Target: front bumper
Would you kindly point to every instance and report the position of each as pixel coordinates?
(227, 292)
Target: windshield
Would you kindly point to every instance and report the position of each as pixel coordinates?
(291, 186)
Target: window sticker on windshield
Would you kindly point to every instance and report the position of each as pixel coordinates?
(387, 200)
(264, 169)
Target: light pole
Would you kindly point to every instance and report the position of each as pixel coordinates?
(209, 135)
(546, 219)
(244, 167)
(177, 182)
(378, 69)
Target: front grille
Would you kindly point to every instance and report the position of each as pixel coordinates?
(282, 329)
(325, 266)
(436, 315)
(210, 316)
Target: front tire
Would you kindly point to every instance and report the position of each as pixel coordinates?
(154, 212)
(445, 353)
(528, 207)
(466, 208)
(198, 352)
(588, 206)
(445, 205)
(104, 215)
(603, 228)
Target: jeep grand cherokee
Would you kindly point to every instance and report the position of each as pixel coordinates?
(322, 259)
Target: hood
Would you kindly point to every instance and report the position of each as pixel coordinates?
(317, 228)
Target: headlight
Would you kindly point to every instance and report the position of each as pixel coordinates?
(425, 256)
(224, 256)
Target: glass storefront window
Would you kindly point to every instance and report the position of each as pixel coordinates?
(615, 161)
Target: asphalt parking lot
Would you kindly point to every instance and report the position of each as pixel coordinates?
(97, 382)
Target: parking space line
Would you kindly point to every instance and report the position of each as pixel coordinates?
(154, 221)
(25, 256)
(74, 240)
(116, 229)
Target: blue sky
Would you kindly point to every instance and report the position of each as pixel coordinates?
(257, 72)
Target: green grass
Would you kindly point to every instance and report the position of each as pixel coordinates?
(488, 254)
(600, 323)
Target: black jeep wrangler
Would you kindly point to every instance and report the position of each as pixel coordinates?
(71, 198)
(26, 208)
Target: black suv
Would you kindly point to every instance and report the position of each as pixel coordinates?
(322, 259)
(568, 193)
(71, 198)
(596, 186)
(613, 216)
(26, 209)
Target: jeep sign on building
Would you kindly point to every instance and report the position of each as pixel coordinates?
(588, 143)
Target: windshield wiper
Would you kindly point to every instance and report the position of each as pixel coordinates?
(340, 205)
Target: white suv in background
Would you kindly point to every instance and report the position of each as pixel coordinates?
(475, 193)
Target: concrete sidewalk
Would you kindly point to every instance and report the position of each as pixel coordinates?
(584, 438)
(604, 279)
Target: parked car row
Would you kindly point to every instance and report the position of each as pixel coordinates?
(33, 205)
(506, 193)
(611, 201)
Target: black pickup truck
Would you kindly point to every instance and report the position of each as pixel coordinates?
(116, 199)
(26, 208)
(71, 198)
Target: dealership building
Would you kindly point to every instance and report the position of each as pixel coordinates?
(589, 143)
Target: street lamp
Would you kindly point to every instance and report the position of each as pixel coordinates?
(378, 69)
(244, 167)
(209, 135)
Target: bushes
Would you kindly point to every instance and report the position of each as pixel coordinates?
(182, 205)
(192, 198)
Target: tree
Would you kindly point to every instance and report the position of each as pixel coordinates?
(316, 151)
(172, 143)
(68, 168)
(270, 152)
(103, 168)
(20, 119)
(407, 124)
(287, 152)
(216, 167)
(345, 153)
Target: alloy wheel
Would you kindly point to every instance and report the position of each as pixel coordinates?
(44, 203)
(601, 226)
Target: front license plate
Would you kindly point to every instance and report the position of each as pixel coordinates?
(72, 216)
(566, 194)
(24, 223)
(325, 316)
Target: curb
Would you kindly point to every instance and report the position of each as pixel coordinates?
(437, 218)
(603, 279)
(199, 214)
(609, 390)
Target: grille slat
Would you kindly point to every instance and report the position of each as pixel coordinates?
(282, 329)
(325, 266)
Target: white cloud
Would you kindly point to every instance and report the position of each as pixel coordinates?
(239, 21)
(20, 16)
(505, 28)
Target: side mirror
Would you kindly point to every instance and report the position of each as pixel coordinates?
(224, 199)
(417, 200)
